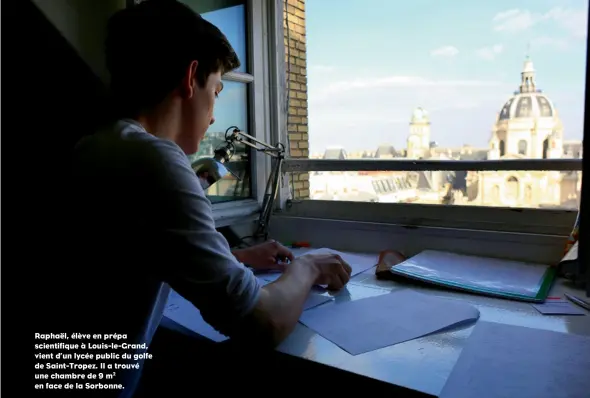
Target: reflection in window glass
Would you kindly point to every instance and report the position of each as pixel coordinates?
(231, 109)
(230, 17)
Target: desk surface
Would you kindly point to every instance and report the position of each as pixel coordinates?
(423, 364)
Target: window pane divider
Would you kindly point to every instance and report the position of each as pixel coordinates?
(306, 165)
(238, 77)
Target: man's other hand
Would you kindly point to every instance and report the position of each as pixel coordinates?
(332, 269)
(269, 255)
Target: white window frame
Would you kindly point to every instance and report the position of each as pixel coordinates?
(259, 51)
(267, 104)
(241, 210)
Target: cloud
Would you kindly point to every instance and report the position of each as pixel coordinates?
(573, 21)
(362, 113)
(395, 81)
(445, 51)
(514, 20)
(489, 53)
(321, 68)
(541, 42)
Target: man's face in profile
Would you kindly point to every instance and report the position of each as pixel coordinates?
(198, 111)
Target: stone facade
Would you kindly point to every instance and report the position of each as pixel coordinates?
(295, 57)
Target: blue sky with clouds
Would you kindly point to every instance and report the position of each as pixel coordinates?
(371, 62)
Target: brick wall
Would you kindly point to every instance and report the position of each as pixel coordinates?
(295, 55)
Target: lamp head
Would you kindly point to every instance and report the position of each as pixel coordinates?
(211, 170)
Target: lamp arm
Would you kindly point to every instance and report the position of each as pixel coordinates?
(211, 170)
(239, 136)
(270, 194)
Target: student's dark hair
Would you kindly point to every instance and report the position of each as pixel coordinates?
(149, 47)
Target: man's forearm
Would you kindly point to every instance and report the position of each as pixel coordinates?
(281, 303)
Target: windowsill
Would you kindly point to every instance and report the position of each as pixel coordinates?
(413, 215)
(368, 237)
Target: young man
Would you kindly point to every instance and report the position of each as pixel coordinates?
(142, 220)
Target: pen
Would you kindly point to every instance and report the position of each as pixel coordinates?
(297, 245)
(577, 301)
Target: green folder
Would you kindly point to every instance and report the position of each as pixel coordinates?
(480, 275)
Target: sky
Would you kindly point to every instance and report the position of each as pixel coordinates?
(371, 62)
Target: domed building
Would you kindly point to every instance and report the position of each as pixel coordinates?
(527, 127)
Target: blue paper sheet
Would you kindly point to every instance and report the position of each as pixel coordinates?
(368, 324)
(501, 360)
(187, 315)
(558, 307)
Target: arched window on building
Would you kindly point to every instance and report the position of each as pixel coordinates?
(502, 148)
(522, 147)
(528, 194)
(512, 189)
(496, 194)
(545, 148)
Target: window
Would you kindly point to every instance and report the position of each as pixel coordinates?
(512, 190)
(496, 193)
(528, 194)
(502, 148)
(232, 106)
(545, 148)
(522, 145)
(436, 86)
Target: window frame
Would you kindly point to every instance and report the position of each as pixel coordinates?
(243, 209)
(258, 80)
(554, 222)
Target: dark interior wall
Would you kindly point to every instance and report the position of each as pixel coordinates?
(83, 24)
(52, 98)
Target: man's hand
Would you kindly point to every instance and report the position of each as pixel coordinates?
(265, 256)
(331, 268)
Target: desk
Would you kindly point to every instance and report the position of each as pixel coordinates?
(422, 364)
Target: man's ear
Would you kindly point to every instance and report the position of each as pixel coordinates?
(189, 82)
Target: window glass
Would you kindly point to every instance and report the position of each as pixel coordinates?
(230, 17)
(507, 90)
(231, 109)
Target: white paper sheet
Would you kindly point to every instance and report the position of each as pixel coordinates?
(371, 323)
(183, 312)
(477, 272)
(513, 361)
(358, 262)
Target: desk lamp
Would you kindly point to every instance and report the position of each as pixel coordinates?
(211, 170)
